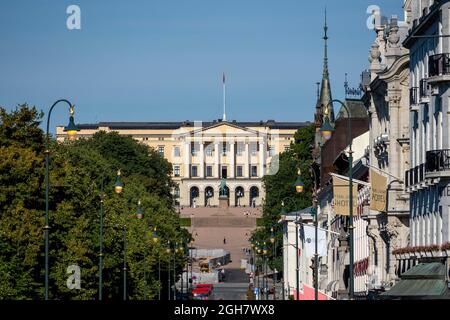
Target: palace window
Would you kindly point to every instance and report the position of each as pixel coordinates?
(240, 149)
(271, 150)
(176, 151)
(194, 149)
(209, 150)
(194, 171)
(254, 148)
(161, 150)
(254, 171)
(224, 148)
(287, 148)
(176, 171)
(239, 173)
(209, 173)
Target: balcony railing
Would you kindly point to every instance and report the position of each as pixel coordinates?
(439, 65)
(438, 160)
(424, 88)
(413, 95)
(407, 178)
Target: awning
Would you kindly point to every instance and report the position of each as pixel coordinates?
(424, 281)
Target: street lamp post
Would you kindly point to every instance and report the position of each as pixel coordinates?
(299, 187)
(118, 188)
(327, 131)
(71, 130)
(258, 251)
(273, 241)
(100, 263)
(175, 251)
(316, 225)
(266, 285)
(168, 270)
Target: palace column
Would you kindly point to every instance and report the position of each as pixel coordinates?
(232, 160)
(187, 159)
(247, 161)
(202, 159)
(216, 160)
(262, 158)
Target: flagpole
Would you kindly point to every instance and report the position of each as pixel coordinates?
(224, 117)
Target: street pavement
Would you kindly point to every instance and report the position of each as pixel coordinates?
(234, 288)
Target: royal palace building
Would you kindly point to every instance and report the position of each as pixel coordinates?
(203, 153)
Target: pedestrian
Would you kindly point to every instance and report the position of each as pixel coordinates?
(224, 241)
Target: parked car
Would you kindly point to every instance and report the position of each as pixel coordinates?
(202, 293)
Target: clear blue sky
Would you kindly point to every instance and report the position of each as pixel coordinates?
(162, 60)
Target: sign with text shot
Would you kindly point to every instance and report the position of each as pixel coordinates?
(378, 193)
(341, 196)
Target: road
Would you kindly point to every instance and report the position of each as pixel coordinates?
(234, 288)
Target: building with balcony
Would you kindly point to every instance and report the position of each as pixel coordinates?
(428, 179)
(387, 99)
(203, 153)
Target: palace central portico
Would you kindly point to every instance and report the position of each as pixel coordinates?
(203, 153)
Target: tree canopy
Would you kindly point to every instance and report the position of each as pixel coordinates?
(280, 187)
(77, 170)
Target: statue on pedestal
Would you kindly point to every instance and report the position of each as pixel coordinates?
(223, 190)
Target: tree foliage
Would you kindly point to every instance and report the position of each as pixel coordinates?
(77, 170)
(280, 188)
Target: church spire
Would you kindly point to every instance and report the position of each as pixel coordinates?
(324, 94)
(325, 89)
(325, 38)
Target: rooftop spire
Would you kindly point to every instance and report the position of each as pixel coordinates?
(325, 89)
(325, 38)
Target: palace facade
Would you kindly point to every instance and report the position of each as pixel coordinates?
(203, 153)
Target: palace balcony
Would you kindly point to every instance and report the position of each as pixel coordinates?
(424, 90)
(414, 96)
(437, 163)
(439, 68)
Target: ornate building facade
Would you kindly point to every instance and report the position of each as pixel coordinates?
(386, 98)
(203, 153)
(429, 176)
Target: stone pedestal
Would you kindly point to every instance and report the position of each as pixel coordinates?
(224, 204)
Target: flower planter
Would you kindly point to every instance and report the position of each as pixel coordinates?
(436, 253)
(407, 255)
(428, 254)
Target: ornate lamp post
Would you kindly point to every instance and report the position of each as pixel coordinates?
(155, 238)
(239, 196)
(118, 187)
(258, 251)
(316, 226)
(327, 131)
(299, 187)
(273, 242)
(175, 271)
(71, 129)
(168, 270)
(266, 282)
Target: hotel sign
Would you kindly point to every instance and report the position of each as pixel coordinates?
(341, 197)
(378, 191)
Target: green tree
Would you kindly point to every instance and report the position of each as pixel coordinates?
(76, 171)
(280, 186)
